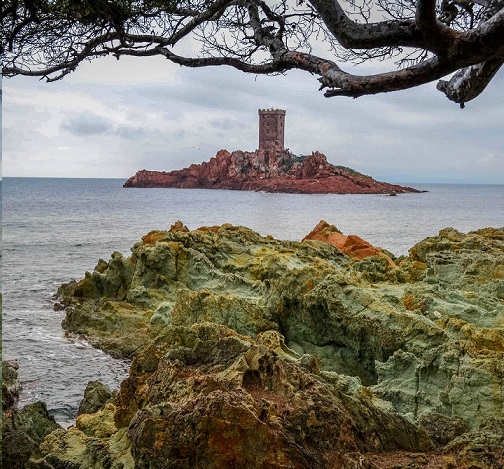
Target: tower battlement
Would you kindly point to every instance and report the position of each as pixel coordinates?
(271, 129)
(272, 111)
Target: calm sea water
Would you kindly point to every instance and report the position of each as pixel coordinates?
(56, 229)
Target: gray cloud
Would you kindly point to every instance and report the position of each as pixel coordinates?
(226, 124)
(131, 132)
(415, 135)
(87, 124)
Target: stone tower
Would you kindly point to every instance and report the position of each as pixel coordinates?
(271, 129)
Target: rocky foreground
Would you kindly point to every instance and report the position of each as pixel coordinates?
(252, 352)
(268, 171)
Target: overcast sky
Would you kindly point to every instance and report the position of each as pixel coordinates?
(111, 118)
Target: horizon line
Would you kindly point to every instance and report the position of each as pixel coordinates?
(391, 182)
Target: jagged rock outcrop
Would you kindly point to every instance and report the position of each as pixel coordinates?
(204, 396)
(269, 171)
(23, 429)
(207, 397)
(460, 289)
(352, 245)
(421, 336)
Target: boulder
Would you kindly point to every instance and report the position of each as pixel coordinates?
(96, 395)
(351, 245)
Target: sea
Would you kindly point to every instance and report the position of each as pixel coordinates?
(54, 230)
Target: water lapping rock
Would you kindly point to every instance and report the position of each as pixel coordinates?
(269, 171)
(22, 429)
(254, 352)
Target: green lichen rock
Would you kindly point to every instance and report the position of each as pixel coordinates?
(95, 442)
(96, 395)
(425, 337)
(461, 375)
(221, 274)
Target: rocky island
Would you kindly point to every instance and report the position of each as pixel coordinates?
(248, 351)
(271, 168)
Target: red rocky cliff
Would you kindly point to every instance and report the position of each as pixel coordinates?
(269, 171)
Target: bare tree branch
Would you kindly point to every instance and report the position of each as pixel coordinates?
(428, 25)
(470, 82)
(429, 39)
(212, 13)
(352, 35)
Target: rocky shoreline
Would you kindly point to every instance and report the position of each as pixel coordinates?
(252, 352)
(267, 170)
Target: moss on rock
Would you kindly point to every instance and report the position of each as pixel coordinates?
(421, 338)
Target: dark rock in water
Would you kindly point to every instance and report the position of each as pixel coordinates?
(22, 429)
(96, 395)
(35, 420)
(10, 384)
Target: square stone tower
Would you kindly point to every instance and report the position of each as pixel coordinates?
(271, 129)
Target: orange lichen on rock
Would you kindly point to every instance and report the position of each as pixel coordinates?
(352, 245)
(179, 226)
(152, 236)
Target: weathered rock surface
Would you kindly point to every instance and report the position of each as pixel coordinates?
(422, 337)
(22, 429)
(95, 442)
(207, 397)
(481, 448)
(459, 289)
(269, 171)
(96, 395)
(352, 245)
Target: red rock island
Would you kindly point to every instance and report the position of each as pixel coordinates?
(271, 168)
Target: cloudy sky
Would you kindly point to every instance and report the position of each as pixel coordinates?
(111, 118)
